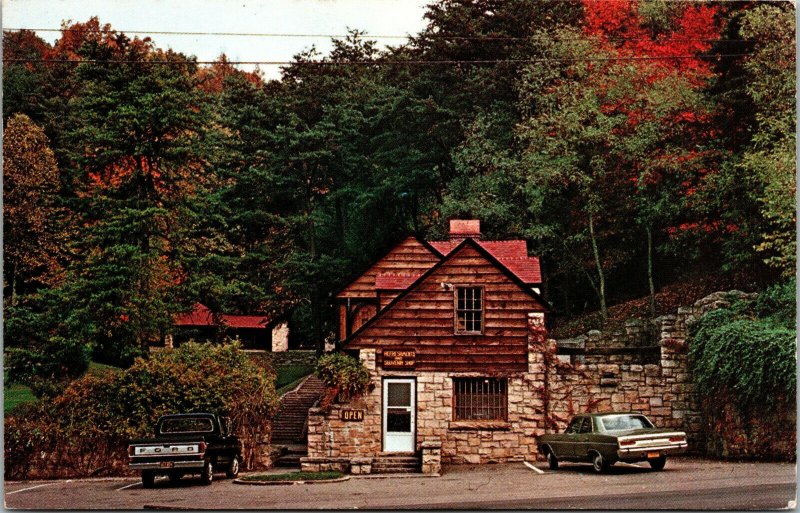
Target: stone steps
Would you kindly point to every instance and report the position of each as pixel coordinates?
(290, 421)
(402, 463)
(291, 456)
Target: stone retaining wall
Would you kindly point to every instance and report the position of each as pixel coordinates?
(292, 357)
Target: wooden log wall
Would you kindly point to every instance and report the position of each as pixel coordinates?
(423, 320)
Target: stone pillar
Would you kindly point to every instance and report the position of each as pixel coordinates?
(280, 337)
(432, 457)
(168, 342)
(537, 345)
(317, 437)
(537, 378)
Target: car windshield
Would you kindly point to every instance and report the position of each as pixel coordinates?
(187, 425)
(623, 422)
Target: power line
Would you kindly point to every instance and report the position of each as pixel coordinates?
(379, 63)
(367, 36)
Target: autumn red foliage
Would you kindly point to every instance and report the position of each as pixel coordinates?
(620, 26)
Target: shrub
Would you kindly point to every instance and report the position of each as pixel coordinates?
(343, 375)
(84, 430)
(58, 360)
(744, 366)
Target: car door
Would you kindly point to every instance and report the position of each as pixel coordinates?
(583, 439)
(570, 445)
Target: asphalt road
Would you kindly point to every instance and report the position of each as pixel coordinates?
(686, 483)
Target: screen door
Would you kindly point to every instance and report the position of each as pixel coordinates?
(399, 413)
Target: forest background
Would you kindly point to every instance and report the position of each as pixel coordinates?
(644, 149)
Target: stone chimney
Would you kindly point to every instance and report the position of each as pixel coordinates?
(461, 229)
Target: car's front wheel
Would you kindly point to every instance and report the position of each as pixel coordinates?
(207, 476)
(233, 468)
(552, 461)
(599, 463)
(657, 463)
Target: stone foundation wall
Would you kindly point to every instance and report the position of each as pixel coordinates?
(461, 441)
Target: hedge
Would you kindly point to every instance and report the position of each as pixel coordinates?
(84, 430)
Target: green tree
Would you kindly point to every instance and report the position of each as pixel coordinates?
(770, 156)
(132, 135)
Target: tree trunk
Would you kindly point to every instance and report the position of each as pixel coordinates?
(650, 271)
(13, 285)
(316, 321)
(601, 276)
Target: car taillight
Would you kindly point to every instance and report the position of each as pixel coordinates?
(131, 450)
(677, 439)
(625, 443)
(202, 447)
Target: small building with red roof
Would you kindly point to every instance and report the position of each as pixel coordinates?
(254, 331)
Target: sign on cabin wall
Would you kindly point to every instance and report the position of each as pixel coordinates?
(349, 415)
(399, 358)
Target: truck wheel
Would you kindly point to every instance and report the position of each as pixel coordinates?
(599, 463)
(207, 476)
(658, 463)
(552, 461)
(233, 468)
(148, 478)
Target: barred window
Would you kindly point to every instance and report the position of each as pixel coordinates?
(469, 310)
(480, 399)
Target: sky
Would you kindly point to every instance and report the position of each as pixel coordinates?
(376, 17)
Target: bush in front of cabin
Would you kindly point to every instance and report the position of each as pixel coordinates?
(744, 367)
(84, 430)
(344, 377)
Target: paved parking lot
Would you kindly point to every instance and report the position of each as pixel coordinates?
(686, 483)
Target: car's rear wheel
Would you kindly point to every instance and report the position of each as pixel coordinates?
(148, 478)
(233, 468)
(657, 463)
(599, 463)
(207, 476)
(552, 461)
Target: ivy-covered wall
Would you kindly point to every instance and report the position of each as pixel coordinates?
(743, 360)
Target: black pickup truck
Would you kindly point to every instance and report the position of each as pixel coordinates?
(191, 443)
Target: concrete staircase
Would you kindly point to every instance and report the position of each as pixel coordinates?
(289, 428)
(397, 463)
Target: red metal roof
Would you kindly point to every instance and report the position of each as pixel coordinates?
(511, 253)
(394, 281)
(201, 315)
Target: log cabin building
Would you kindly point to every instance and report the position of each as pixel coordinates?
(443, 328)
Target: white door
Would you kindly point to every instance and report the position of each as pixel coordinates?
(399, 412)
